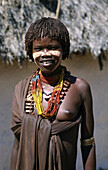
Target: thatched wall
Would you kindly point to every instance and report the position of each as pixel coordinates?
(87, 22)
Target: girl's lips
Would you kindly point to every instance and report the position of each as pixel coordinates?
(47, 62)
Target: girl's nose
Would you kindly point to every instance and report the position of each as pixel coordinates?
(45, 52)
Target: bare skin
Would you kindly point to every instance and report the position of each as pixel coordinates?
(78, 98)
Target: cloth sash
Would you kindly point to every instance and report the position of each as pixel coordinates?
(39, 138)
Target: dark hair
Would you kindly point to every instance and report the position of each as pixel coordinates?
(50, 27)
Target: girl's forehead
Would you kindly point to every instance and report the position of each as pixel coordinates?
(45, 40)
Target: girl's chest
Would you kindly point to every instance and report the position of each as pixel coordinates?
(69, 106)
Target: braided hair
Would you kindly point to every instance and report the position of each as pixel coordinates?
(50, 27)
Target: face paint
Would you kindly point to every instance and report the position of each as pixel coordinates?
(48, 53)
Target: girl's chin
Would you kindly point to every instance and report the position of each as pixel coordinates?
(47, 67)
(51, 71)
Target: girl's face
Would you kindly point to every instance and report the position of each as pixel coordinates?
(47, 54)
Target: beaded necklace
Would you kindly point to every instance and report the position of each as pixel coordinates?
(53, 101)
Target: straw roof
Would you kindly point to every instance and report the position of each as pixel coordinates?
(86, 21)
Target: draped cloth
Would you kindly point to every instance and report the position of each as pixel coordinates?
(40, 144)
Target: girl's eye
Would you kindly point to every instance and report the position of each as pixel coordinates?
(54, 48)
(37, 49)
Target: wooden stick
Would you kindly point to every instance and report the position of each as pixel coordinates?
(58, 9)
